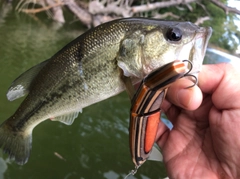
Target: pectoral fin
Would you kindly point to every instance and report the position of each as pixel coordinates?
(67, 118)
(20, 86)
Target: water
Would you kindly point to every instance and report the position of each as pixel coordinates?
(96, 144)
(214, 56)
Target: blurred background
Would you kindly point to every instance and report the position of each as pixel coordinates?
(96, 144)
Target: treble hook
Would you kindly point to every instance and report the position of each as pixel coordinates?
(187, 74)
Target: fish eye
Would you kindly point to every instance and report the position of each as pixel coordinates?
(174, 34)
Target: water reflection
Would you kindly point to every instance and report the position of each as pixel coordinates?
(3, 167)
(5, 10)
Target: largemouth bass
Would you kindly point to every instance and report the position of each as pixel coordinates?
(95, 66)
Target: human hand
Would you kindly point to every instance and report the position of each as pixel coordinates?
(205, 140)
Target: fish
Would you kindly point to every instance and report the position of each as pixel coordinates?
(100, 63)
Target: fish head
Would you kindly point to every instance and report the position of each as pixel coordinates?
(194, 49)
(175, 41)
(161, 42)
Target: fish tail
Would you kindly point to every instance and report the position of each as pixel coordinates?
(17, 144)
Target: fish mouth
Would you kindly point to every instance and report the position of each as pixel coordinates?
(199, 48)
(195, 50)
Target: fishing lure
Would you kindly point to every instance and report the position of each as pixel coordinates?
(146, 108)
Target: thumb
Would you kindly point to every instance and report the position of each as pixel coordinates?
(180, 95)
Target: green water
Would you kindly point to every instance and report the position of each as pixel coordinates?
(95, 145)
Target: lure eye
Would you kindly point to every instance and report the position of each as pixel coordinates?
(174, 34)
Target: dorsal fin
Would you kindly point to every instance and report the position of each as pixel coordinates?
(67, 118)
(20, 86)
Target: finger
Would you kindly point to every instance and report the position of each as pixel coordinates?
(180, 95)
(210, 77)
(162, 135)
(161, 132)
(222, 81)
